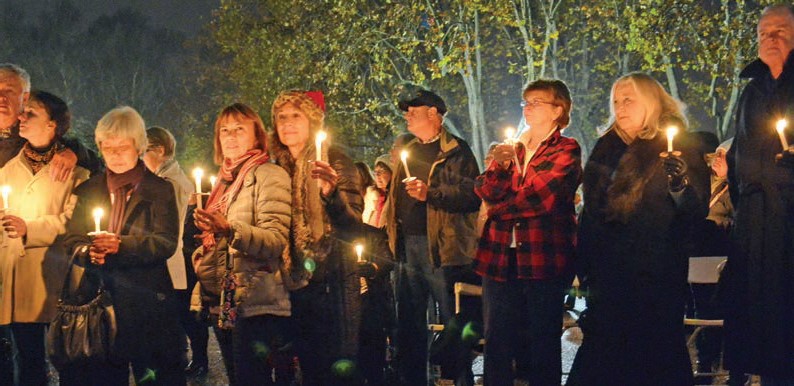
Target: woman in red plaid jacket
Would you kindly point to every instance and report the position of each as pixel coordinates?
(526, 249)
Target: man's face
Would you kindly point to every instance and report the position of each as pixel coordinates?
(775, 38)
(12, 99)
(419, 121)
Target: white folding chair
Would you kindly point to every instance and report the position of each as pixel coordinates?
(704, 270)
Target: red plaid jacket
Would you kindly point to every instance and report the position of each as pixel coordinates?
(540, 207)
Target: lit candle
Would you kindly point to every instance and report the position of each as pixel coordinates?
(510, 133)
(671, 133)
(98, 213)
(213, 179)
(197, 174)
(359, 252)
(5, 190)
(404, 158)
(318, 143)
(781, 129)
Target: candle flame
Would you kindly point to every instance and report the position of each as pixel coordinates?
(321, 136)
(672, 131)
(6, 190)
(781, 125)
(404, 155)
(213, 179)
(359, 250)
(198, 173)
(99, 212)
(510, 132)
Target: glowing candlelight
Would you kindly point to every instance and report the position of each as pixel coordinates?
(213, 179)
(510, 133)
(781, 128)
(404, 158)
(318, 143)
(672, 131)
(5, 190)
(359, 252)
(197, 175)
(98, 213)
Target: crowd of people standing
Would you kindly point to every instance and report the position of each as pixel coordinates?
(308, 266)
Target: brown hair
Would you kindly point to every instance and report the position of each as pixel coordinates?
(241, 112)
(159, 136)
(560, 93)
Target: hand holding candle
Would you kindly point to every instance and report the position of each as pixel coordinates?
(780, 126)
(98, 213)
(5, 191)
(672, 131)
(197, 175)
(318, 143)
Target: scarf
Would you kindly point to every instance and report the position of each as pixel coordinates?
(120, 187)
(230, 180)
(38, 158)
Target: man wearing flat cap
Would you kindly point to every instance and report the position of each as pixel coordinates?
(430, 219)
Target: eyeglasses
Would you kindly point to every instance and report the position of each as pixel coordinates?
(534, 103)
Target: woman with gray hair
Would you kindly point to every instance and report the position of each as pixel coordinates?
(140, 234)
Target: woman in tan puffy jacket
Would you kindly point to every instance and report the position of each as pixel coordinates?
(245, 225)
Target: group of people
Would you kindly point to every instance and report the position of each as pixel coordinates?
(307, 266)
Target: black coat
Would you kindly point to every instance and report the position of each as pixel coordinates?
(759, 275)
(634, 267)
(137, 276)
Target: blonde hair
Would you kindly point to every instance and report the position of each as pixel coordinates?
(122, 122)
(661, 109)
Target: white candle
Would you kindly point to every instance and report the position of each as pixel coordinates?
(671, 133)
(404, 158)
(318, 143)
(213, 179)
(197, 175)
(359, 252)
(781, 129)
(98, 213)
(5, 190)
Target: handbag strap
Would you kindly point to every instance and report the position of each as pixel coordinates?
(72, 258)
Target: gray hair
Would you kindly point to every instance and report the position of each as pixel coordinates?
(778, 9)
(122, 122)
(19, 72)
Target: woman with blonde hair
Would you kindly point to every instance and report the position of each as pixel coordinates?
(326, 217)
(640, 204)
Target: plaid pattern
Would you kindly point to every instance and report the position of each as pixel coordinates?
(538, 205)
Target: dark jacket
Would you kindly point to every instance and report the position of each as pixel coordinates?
(759, 273)
(137, 276)
(634, 263)
(452, 205)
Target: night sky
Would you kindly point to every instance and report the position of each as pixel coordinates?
(182, 15)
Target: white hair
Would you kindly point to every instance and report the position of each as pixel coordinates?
(14, 70)
(122, 122)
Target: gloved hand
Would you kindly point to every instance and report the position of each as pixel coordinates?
(785, 159)
(675, 168)
(367, 269)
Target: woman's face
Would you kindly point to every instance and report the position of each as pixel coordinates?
(35, 124)
(237, 136)
(292, 126)
(382, 177)
(540, 110)
(120, 154)
(629, 109)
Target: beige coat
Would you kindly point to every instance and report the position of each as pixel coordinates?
(172, 173)
(32, 273)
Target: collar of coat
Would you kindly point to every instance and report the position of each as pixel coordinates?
(447, 142)
(758, 68)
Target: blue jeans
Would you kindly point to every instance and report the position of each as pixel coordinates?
(417, 281)
(523, 322)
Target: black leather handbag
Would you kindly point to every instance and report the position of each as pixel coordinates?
(84, 328)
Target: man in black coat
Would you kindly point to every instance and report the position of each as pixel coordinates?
(758, 275)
